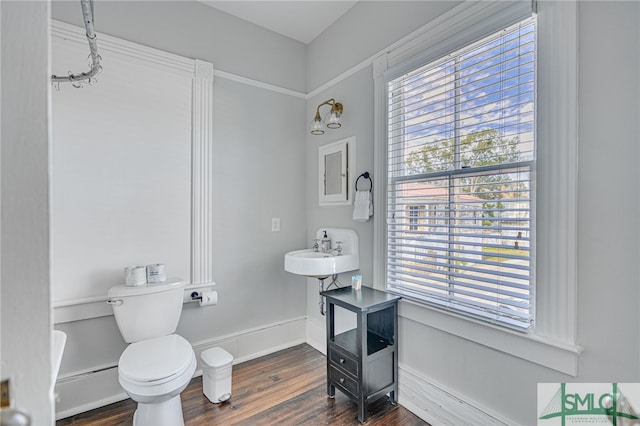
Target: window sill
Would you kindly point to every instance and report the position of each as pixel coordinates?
(558, 356)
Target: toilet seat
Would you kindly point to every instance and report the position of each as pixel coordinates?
(156, 361)
(157, 391)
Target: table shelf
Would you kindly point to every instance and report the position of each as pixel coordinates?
(349, 342)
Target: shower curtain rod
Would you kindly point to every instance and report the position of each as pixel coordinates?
(87, 14)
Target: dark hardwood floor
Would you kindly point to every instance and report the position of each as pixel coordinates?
(284, 388)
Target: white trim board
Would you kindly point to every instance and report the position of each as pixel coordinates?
(61, 29)
(95, 307)
(414, 40)
(316, 335)
(143, 54)
(553, 342)
(86, 392)
(258, 341)
(202, 173)
(438, 406)
(259, 84)
(157, 57)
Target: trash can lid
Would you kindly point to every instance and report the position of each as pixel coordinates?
(216, 357)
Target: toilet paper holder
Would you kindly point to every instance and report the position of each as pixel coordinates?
(197, 292)
(205, 298)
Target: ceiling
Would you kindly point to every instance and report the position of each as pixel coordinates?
(301, 20)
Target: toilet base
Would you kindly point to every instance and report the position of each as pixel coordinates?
(165, 413)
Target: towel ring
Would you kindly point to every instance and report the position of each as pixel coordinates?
(366, 176)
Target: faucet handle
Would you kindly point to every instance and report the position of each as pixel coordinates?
(339, 247)
(316, 244)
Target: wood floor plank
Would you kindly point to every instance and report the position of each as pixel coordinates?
(284, 388)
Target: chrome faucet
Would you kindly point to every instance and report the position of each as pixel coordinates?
(316, 244)
(339, 247)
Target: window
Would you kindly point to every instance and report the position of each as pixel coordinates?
(461, 154)
(415, 213)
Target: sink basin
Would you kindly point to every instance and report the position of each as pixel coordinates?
(319, 265)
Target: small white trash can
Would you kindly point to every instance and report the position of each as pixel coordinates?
(216, 374)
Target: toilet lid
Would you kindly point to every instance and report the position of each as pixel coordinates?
(156, 359)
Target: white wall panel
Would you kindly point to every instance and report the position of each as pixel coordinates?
(121, 180)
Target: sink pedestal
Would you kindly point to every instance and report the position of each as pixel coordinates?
(334, 282)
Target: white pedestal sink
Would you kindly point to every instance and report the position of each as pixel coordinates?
(320, 265)
(316, 264)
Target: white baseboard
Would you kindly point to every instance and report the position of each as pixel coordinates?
(87, 390)
(256, 342)
(440, 407)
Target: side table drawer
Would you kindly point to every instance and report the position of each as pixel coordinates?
(343, 380)
(343, 361)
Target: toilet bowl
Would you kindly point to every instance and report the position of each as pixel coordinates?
(153, 373)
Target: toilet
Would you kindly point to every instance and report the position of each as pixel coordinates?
(158, 364)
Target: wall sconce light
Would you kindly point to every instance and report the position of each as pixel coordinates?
(332, 119)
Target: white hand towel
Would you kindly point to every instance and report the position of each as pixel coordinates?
(362, 206)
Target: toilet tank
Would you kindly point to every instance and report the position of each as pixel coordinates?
(147, 311)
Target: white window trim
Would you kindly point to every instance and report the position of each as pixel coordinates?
(553, 341)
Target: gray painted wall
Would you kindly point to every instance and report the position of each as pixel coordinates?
(609, 324)
(254, 180)
(259, 147)
(608, 252)
(356, 95)
(195, 30)
(608, 225)
(25, 208)
(364, 30)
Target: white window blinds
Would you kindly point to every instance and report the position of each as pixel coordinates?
(460, 168)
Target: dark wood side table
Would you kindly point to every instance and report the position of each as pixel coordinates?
(363, 362)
